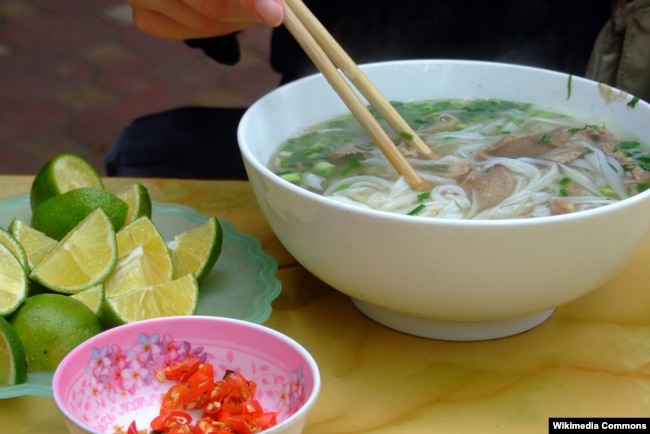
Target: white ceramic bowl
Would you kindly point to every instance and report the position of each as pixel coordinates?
(95, 386)
(446, 279)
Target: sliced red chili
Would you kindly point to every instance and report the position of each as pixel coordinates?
(133, 429)
(238, 423)
(252, 419)
(207, 425)
(244, 389)
(267, 420)
(199, 388)
(184, 370)
(173, 398)
(228, 404)
(252, 406)
(164, 422)
(180, 429)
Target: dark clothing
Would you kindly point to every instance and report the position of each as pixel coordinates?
(188, 142)
(552, 34)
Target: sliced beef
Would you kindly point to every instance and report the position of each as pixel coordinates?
(445, 122)
(346, 150)
(533, 146)
(493, 186)
(454, 170)
(560, 206)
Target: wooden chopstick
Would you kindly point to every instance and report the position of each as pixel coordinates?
(324, 56)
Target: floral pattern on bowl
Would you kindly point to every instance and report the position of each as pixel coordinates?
(112, 383)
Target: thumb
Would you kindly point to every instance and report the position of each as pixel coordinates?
(271, 12)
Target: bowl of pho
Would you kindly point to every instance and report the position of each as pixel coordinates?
(538, 193)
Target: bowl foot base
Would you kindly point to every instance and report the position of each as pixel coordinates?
(453, 330)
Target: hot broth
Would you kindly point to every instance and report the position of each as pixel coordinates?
(499, 159)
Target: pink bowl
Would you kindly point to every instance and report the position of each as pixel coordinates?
(111, 379)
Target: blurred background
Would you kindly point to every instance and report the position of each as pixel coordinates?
(73, 73)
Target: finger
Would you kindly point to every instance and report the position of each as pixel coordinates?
(269, 12)
(170, 19)
(233, 11)
(164, 27)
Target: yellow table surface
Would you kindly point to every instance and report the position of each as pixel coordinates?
(590, 359)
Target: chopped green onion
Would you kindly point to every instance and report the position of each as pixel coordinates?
(406, 135)
(545, 138)
(291, 177)
(608, 192)
(317, 147)
(545, 114)
(643, 162)
(342, 187)
(424, 196)
(418, 209)
(564, 192)
(353, 163)
(565, 181)
(569, 87)
(633, 102)
(324, 168)
(627, 145)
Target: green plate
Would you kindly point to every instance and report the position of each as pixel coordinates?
(242, 284)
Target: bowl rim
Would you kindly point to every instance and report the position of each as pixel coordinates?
(58, 385)
(263, 170)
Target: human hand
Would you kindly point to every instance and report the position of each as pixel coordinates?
(191, 19)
